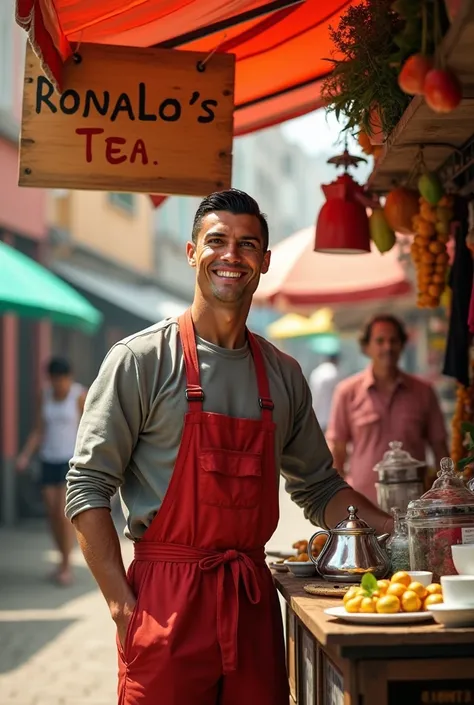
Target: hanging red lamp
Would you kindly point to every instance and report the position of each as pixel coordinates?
(343, 225)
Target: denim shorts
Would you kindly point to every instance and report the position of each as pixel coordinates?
(53, 473)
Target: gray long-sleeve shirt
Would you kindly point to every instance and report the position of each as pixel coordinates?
(131, 428)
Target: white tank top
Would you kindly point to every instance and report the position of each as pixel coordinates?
(60, 423)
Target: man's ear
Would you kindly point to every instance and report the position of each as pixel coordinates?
(266, 262)
(191, 253)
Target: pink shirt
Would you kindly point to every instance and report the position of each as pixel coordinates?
(367, 420)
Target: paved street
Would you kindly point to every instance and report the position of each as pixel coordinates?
(57, 644)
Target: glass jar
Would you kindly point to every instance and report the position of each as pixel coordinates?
(441, 518)
(400, 478)
(397, 545)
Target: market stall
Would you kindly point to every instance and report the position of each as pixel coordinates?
(334, 663)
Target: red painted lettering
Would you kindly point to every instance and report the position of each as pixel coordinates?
(139, 149)
(88, 132)
(110, 150)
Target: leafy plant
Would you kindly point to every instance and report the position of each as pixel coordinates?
(373, 40)
(468, 430)
(369, 584)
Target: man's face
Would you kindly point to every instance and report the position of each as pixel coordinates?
(229, 256)
(61, 384)
(384, 347)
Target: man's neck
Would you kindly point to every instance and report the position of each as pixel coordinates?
(220, 325)
(385, 378)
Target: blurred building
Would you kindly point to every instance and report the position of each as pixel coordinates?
(24, 344)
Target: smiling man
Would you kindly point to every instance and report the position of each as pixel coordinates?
(193, 419)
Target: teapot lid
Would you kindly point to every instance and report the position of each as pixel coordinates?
(353, 523)
(397, 458)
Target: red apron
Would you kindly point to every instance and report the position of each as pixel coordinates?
(207, 628)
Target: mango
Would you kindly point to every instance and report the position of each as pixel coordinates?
(430, 187)
(381, 233)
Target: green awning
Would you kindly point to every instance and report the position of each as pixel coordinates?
(28, 289)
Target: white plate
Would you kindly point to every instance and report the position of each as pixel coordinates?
(453, 616)
(375, 618)
(279, 567)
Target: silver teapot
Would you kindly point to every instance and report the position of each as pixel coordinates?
(351, 550)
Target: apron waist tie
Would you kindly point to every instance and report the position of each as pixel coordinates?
(237, 565)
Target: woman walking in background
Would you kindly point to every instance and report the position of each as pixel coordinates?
(54, 436)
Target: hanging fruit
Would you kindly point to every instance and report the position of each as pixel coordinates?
(364, 142)
(400, 207)
(376, 135)
(430, 187)
(464, 412)
(381, 233)
(429, 250)
(411, 78)
(442, 90)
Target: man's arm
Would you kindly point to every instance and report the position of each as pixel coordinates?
(311, 479)
(339, 454)
(104, 559)
(108, 432)
(33, 441)
(339, 430)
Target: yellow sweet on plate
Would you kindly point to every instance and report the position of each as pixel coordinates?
(367, 605)
(434, 589)
(434, 599)
(410, 601)
(401, 577)
(353, 605)
(396, 589)
(419, 589)
(388, 604)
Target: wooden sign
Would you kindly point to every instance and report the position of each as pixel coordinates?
(128, 119)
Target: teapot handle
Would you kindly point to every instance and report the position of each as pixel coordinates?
(310, 546)
(382, 539)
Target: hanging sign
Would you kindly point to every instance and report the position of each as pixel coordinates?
(130, 119)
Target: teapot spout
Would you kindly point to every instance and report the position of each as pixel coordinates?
(382, 539)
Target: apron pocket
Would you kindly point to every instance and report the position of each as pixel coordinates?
(124, 650)
(230, 479)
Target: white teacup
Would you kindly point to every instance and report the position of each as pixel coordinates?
(458, 590)
(420, 576)
(463, 558)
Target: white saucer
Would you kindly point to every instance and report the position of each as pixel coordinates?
(451, 616)
(375, 618)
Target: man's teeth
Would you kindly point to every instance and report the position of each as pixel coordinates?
(230, 275)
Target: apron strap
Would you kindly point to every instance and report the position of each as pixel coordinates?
(194, 392)
(265, 401)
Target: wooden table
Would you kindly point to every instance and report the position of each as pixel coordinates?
(334, 663)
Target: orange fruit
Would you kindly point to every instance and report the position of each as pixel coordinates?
(418, 589)
(442, 227)
(396, 589)
(435, 290)
(354, 604)
(411, 602)
(401, 577)
(442, 258)
(350, 593)
(388, 604)
(428, 213)
(425, 228)
(435, 599)
(434, 589)
(367, 605)
(382, 586)
(436, 247)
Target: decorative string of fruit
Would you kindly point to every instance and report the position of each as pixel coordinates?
(432, 226)
(463, 414)
(422, 73)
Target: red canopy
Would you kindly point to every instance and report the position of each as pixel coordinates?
(281, 46)
(300, 277)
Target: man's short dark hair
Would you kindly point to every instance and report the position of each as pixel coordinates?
(383, 318)
(59, 367)
(232, 201)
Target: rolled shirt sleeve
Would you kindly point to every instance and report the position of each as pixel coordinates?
(307, 463)
(107, 434)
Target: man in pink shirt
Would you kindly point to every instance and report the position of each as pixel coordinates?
(383, 404)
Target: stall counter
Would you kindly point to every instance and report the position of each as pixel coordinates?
(334, 663)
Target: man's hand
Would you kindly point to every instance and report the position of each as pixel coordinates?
(22, 462)
(122, 617)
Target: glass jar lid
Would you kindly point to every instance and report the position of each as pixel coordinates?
(397, 459)
(448, 496)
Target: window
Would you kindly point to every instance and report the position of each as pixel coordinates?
(126, 201)
(6, 56)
